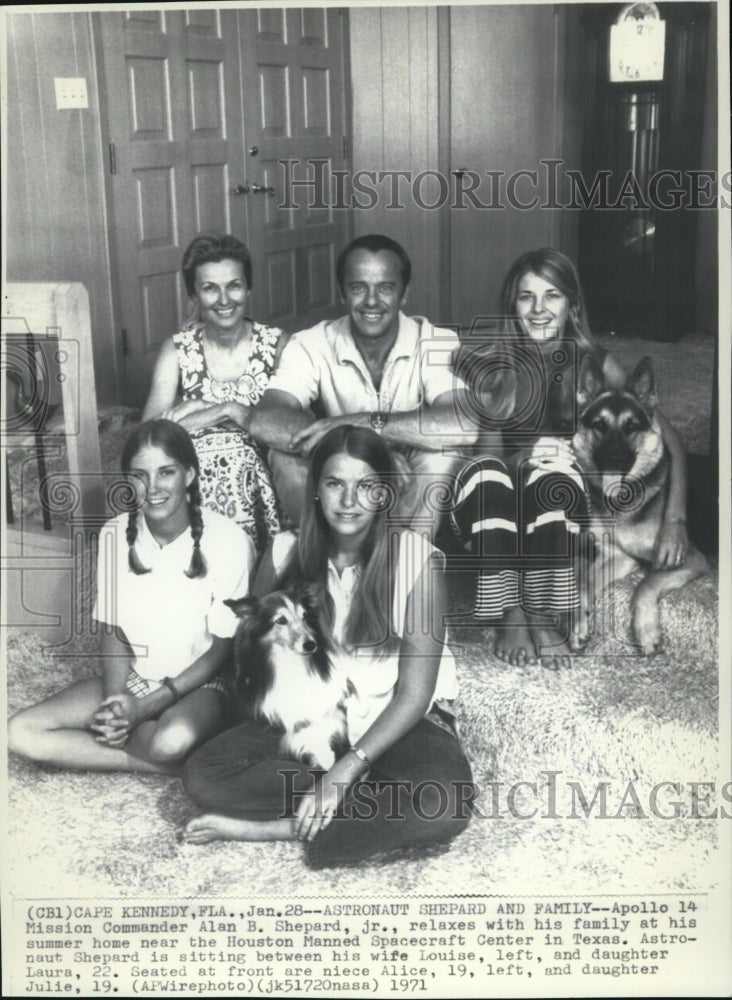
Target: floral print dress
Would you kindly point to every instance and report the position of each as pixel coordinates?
(234, 477)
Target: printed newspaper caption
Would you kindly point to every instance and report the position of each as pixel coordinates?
(321, 946)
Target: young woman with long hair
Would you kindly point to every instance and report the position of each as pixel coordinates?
(522, 509)
(163, 573)
(385, 606)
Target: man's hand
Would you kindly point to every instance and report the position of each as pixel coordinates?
(303, 441)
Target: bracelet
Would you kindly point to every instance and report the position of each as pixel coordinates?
(361, 754)
(167, 682)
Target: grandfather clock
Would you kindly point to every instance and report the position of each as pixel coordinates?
(644, 109)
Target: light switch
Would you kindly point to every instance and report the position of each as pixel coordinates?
(71, 92)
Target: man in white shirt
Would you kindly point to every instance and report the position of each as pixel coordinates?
(372, 367)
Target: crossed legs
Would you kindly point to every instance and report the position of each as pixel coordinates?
(57, 731)
(418, 792)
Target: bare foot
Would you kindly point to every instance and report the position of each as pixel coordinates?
(210, 826)
(213, 826)
(514, 643)
(551, 642)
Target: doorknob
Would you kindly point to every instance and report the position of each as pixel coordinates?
(241, 189)
(261, 189)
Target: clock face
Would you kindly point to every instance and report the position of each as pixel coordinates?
(637, 50)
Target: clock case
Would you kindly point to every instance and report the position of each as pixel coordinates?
(638, 263)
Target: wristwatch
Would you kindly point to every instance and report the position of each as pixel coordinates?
(377, 419)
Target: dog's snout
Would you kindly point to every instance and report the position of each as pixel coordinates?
(615, 456)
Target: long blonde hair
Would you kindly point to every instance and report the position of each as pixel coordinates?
(489, 364)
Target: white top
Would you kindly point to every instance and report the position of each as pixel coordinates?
(168, 619)
(323, 363)
(375, 677)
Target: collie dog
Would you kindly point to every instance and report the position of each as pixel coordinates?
(284, 673)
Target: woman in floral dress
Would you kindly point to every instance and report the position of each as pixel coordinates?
(211, 373)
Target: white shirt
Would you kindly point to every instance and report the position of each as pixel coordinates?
(169, 619)
(324, 364)
(373, 677)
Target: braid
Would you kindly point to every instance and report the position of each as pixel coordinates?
(131, 535)
(197, 565)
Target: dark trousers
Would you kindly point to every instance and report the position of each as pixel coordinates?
(417, 793)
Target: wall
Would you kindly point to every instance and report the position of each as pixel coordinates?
(55, 209)
(395, 81)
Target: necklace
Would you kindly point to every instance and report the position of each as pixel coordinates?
(241, 386)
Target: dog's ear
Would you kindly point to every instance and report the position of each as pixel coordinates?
(314, 599)
(243, 607)
(642, 384)
(591, 381)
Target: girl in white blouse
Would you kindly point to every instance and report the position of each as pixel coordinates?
(163, 573)
(405, 780)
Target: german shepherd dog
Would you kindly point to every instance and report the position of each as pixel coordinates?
(621, 449)
(284, 673)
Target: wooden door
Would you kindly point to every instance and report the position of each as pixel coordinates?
(294, 84)
(171, 88)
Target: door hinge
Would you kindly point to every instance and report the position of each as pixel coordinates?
(112, 159)
(125, 344)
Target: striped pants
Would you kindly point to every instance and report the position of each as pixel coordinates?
(523, 525)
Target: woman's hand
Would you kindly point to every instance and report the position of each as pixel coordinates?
(317, 809)
(550, 451)
(239, 413)
(181, 410)
(195, 414)
(111, 726)
(115, 736)
(115, 718)
(672, 544)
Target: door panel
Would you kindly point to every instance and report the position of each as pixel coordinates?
(293, 62)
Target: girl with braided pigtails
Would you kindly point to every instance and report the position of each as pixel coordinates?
(163, 574)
